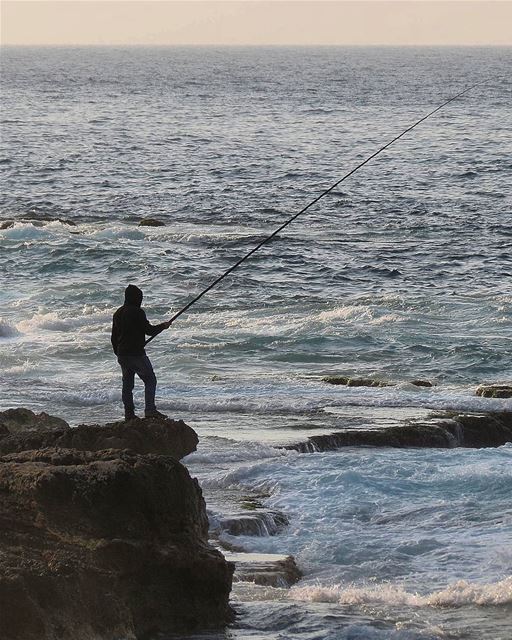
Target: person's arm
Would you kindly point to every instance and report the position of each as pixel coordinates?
(153, 329)
(114, 338)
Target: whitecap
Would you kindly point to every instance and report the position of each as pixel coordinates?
(456, 594)
(53, 321)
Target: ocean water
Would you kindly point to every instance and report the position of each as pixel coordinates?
(404, 272)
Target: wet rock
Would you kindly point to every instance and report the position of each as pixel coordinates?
(422, 383)
(483, 430)
(446, 431)
(20, 420)
(495, 391)
(258, 523)
(105, 545)
(151, 435)
(39, 218)
(151, 222)
(355, 382)
(269, 570)
(6, 224)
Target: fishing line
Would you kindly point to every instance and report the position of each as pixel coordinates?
(308, 206)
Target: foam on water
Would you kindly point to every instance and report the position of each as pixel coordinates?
(457, 594)
(89, 319)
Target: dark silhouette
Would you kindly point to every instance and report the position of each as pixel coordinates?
(129, 330)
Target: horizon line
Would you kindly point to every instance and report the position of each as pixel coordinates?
(276, 45)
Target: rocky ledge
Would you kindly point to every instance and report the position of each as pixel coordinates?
(446, 431)
(22, 430)
(495, 390)
(105, 543)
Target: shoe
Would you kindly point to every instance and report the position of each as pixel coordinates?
(130, 416)
(155, 414)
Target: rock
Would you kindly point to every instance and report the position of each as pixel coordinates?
(151, 222)
(266, 569)
(20, 420)
(369, 382)
(151, 435)
(257, 523)
(39, 218)
(354, 382)
(421, 383)
(6, 224)
(105, 545)
(495, 391)
(483, 430)
(446, 431)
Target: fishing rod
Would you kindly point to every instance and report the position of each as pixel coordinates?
(308, 206)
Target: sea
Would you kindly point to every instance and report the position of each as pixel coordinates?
(402, 272)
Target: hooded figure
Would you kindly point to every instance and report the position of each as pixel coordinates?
(129, 330)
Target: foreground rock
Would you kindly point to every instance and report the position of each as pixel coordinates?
(20, 420)
(495, 391)
(479, 430)
(105, 545)
(151, 435)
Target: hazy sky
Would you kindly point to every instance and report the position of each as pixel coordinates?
(410, 22)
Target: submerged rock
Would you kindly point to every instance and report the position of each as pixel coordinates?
(479, 430)
(422, 383)
(21, 420)
(355, 382)
(151, 435)
(151, 222)
(105, 545)
(495, 391)
(369, 382)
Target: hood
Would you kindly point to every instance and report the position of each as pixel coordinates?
(133, 295)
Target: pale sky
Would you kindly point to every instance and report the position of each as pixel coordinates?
(256, 22)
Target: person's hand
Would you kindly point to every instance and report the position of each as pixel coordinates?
(167, 324)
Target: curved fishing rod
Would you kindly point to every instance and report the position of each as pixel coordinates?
(324, 193)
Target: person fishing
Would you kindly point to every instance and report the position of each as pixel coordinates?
(130, 327)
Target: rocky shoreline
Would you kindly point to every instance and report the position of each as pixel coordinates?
(105, 535)
(443, 431)
(100, 536)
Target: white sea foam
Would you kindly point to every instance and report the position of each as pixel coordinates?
(89, 398)
(20, 369)
(456, 594)
(315, 398)
(233, 451)
(86, 319)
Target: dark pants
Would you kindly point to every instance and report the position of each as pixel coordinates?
(140, 365)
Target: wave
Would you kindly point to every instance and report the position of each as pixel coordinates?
(224, 450)
(7, 330)
(316, 400)
(457, 594)
(27, 230)
(270, 406)
(89, 398)
(53, 321)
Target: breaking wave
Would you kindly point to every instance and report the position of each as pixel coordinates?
(457, 594)
(53, 321)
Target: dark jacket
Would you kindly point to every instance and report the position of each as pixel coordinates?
(130, 325)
